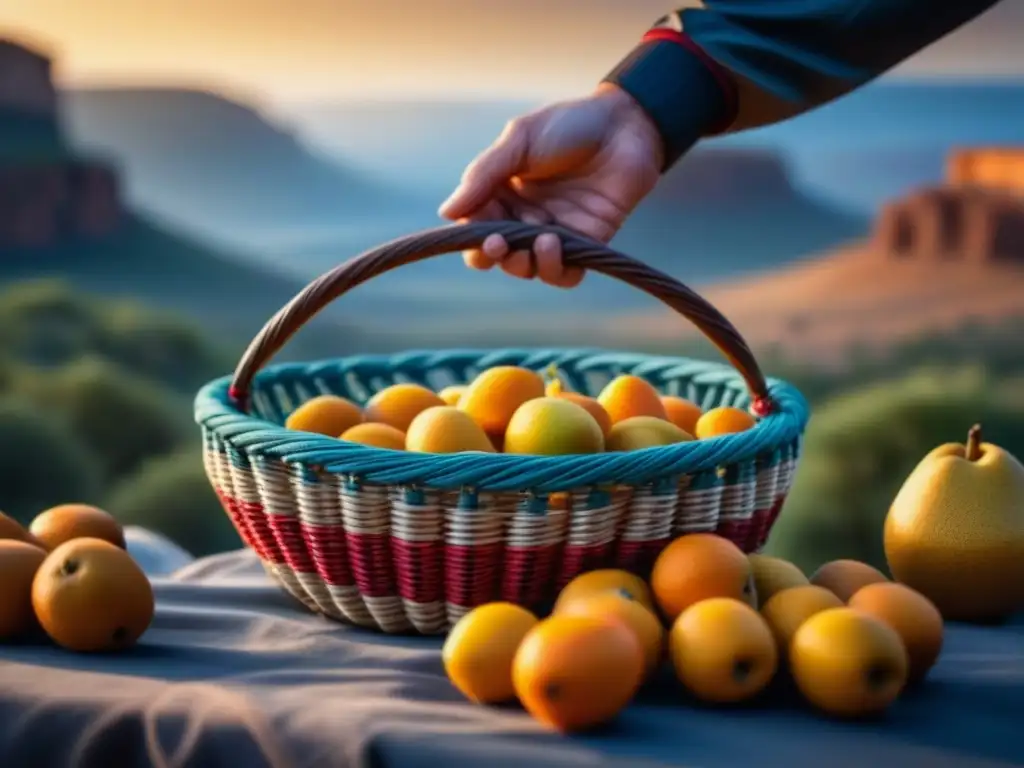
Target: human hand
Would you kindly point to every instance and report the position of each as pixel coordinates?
(582, 164)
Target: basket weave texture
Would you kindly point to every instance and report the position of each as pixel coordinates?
(410, 542)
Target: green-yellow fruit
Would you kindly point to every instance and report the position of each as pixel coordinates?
(638, 432)
(553, 426)
(773, 574)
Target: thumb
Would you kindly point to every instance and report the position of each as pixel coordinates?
(491, 170)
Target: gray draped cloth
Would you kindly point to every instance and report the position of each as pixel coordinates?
(234, 673)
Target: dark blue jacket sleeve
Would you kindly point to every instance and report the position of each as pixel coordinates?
(735, 64)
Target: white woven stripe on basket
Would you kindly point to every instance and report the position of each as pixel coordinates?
(418, 524)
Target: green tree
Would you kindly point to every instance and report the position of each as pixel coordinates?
(171, 495)
(861, 447)
(41, 463)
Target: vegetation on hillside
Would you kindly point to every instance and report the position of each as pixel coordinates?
(95, 405)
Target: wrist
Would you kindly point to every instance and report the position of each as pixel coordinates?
(627, 111)
(683, 93)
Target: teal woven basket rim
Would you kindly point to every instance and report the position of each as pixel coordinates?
(258, 438)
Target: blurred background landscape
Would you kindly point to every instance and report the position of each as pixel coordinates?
(169, 179)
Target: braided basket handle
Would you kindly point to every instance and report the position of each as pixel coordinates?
(577, 251)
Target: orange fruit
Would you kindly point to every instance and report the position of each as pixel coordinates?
(697, 566)
(846, 577)
(479, 650)
(682, 412)
(12, 529)
(326, 415)
(452, 394)
(606, 580)
(914, 617)
(399, 404)
(722, 650)
(591, 406)
(445, 429)
(786, 611)
(626, 396)
(723, 420)
(74, 521)
(496, 394)
(90, 595)
(848, 663)
(19, 562)
(552, 426)
(376, 435)
(576, 672)
(619, 605)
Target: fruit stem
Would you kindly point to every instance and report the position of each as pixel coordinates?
(973, 452)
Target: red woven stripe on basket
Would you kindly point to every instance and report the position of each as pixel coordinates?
(288, 533)
(527, 573)
(638, 556)
(742, 533)
(256, 519)
(329, 552)
(579, 558)
(471, 573)
(369, 557)
(234, 512)
(419, 569)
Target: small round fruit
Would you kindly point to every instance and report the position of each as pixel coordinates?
(12, 529)
(325, 415)
(606, 580)
(591, 406)
(19, 562)
(846, 577)
(626, 396)
(787, 610)
(446, 429)
(375, 435)
(497, 393)
(848, 663)
(682, 412)
(914, 617)
(66, 522)
(90, 595)
(773, 574)
(722, 650)
(619, 605)
(553, 426)
(697, 566)
(576, 672)
(639, 432)
(724, 420)
(479, 650)
(399, 404)
(451, 395)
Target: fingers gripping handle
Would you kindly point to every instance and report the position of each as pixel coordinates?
(576, 250)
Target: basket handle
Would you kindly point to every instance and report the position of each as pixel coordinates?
(577, 251)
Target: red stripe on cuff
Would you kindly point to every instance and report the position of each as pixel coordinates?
(722, 77)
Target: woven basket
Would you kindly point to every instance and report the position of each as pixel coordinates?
(409, 542)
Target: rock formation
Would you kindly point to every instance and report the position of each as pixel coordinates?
(48, 193)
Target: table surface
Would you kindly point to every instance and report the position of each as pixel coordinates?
(234, 673)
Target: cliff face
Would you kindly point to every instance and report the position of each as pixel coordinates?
(47, 194)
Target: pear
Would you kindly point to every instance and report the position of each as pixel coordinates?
(955, 531)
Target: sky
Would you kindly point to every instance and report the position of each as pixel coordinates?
(334, 50)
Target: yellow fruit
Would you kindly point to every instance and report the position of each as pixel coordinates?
(496, 394)
(399, 404)
(847, 663)
(75, 521)
(626, 396)
(325, 415)
(452, 394)
(591, 406)
(621, 606)
(698, 566)
(722, 650)
(446, 429)
(773, 574)
(575, 672)
(552, 426)
(638, 432)
(606, 580)
(786, 611)
(377, 435)
(479, 650)
(90, 595)
(845, 577)
(19, 562)
(723, 420)
(955, 531)
(682, 412)
(914, 617)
